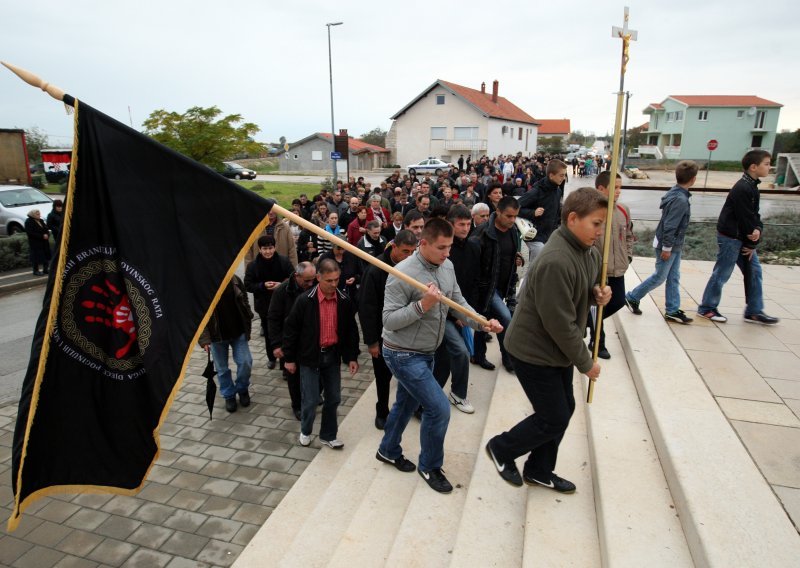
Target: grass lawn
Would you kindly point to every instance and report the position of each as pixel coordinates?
(281, 192)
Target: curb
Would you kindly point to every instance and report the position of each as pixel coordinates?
(29, 283)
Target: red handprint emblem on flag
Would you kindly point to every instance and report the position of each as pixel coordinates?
(112, 308)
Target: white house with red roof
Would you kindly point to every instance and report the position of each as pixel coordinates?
(681, 126)
(447, 120)
(554, 128)
(313, 153)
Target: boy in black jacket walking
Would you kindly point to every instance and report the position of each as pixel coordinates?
(739, 231)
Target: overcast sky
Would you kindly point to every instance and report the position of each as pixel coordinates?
(268, 61)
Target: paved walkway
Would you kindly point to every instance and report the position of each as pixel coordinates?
(212, 488)
(752, 371)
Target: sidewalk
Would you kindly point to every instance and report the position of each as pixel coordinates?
(752, 371)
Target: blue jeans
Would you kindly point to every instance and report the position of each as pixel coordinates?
(669, 270)
(415, 386)
(452, 357)
(310, 378)
(728, 255)
(244, 364)
(499, 311)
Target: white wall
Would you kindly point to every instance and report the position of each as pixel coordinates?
(505, 143)
(414, 126)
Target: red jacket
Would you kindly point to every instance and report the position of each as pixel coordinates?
(353, 234)
(386, 217)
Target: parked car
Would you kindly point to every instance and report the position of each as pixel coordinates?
(235, 171)
(431, 165)
(15, 202)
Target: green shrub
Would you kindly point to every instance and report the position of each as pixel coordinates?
(780, 245)
(14, 252)
(38, 181)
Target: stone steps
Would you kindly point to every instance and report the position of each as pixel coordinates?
(349, 509)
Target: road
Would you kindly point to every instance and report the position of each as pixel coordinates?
(20, 311)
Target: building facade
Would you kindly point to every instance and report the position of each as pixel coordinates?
(447, 120)
(313, 154)
(681, 126)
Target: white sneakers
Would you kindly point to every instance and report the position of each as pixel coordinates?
(304, 440)
(334, 444)
(462, 404)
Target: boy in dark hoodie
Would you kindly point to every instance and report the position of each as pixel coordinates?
(670, 233)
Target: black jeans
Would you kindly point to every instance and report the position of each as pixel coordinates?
(550, 391)
(383, 376)
(617, 285)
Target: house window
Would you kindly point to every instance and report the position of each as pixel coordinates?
(679, 116)
(519, 137)
(316, 155)
(760, 117)
(296, 157)
(676, 140)
(465, 132)
(757, 140)
(739, 114)
(439, 99)
(438, 132)
(670, 117)
(702, 115)
(655, 122)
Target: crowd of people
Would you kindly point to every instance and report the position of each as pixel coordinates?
(463, 235)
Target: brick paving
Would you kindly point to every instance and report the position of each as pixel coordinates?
(213, 486)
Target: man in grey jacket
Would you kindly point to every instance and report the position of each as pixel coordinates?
(413, 328)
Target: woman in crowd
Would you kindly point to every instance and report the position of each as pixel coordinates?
(38, 242)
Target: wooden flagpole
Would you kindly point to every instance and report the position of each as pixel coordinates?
(626, 35)
(58, 94)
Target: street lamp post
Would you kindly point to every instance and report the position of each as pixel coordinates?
(333, 132)
(628, 96)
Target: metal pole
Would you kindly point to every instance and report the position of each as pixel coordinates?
(708, 167)
(330, 71)
(625, 131)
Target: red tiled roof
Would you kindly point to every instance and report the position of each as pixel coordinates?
(554, 126)
(656, 105)
(724, 100)
(356, 145)
(503, 108)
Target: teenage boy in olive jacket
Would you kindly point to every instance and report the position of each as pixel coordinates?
(545, 341)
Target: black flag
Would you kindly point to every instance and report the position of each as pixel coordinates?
(150, 238)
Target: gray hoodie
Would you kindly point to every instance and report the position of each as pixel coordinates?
(404, 326)
(675, 213)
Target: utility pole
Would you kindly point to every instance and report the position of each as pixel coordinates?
(333, 132)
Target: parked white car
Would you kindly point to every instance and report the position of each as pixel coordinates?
(15, 202)
(431, 165)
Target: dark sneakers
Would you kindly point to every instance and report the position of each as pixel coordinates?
(230, 404)
(401, 463)
(482, 363)
(678, 316)
(436, 479)
(244, 399)
(556, 483)
(633, 305)
(507, 470)
(761, 318)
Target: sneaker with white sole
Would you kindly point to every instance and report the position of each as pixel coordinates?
(678, 316)
(401, 463)
(335, 444)
(555, 483)
(304, 440)
(713, 315)
(507, 470)
(461, 403)
(761, 318)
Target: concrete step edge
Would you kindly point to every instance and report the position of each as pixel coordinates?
(636, 516)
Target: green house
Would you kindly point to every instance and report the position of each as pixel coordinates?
(681, 126)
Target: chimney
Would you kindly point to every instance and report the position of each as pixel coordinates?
(495, 87)
(483, 87)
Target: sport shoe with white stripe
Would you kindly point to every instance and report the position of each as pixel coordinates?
(461, 403)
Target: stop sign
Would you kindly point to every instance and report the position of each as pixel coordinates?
(712, 145)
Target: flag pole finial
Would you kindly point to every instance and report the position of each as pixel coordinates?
(36, 81)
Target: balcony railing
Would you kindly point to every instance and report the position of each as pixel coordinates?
(650, 150)
(472, 144)
(672, 151)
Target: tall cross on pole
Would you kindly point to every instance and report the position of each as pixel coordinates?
(626, 35)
